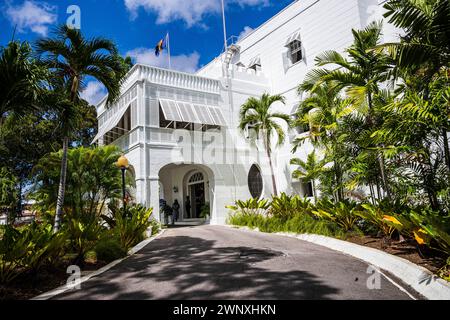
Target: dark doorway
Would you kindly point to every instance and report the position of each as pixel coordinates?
(197, 192)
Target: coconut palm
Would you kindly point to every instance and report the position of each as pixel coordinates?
(21, 78)
(309, 170)
(360, 75)
(256, 113)
(72, 58)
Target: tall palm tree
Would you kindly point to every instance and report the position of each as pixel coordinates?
(425, 49)
(322, 111)
(309, 170)
(72, 58)
(21, 79)
(360, 75)
(256, 113)
(426, 43)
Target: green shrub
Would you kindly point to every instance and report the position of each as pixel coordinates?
(28, 249)
(250, 207)
(109, 249)
(342, 213)
(298, 223)
(131, 227)
(83, 236)
(286, 206)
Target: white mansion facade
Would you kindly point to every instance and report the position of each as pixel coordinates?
(179, 131)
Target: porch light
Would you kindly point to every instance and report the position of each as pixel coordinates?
(123, 164)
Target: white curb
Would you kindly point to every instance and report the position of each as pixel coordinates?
(420, 279)
(64, 288)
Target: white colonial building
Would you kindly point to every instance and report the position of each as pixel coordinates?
(179, 131)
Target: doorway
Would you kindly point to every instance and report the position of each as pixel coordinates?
(196, 192)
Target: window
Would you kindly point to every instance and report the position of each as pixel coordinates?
(255, 182)
(255, 64)
(308, 189)
(295, 51)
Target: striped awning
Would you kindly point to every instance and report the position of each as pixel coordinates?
(192, 113)
(111, 123)
(293, 37)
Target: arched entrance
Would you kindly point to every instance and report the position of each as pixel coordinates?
(196, 192)
(188, 181)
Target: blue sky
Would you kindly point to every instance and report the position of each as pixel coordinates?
(195, 26)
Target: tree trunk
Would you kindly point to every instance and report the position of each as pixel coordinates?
(314, 190)
(446, 148)
(383, 176)
(62, 186)
(274, 183)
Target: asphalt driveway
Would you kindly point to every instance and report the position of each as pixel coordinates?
(217, 262)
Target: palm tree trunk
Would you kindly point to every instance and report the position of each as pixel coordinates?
(383, 176)
(446, 148)
(314, 190)
(274, 183)
(62, 186)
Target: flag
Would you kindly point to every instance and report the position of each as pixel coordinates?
(160, 47)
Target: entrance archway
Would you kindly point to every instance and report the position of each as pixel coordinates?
(180, 181)
(197, 194)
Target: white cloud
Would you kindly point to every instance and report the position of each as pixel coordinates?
(93, 92)
(189, 11)
(186, 63)
(32, 15)
(247, 30)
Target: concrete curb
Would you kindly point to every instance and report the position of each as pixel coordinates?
(134, 250)
(419, 278)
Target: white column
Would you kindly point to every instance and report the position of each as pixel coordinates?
(153, 196)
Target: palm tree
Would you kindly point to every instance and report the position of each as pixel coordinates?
(323, 110)
(425, 49)
(426, 43)
(21, 78)
(309, 171)
(72, 58)
(360, 75)
(256, 114)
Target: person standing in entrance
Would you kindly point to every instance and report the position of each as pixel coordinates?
(176, 210)
(188, 207)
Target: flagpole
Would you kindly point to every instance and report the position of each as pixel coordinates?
(224, 28)
(168, 50)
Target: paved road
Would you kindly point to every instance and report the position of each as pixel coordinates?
(217, 262)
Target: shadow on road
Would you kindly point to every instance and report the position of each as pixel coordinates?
(185, 267)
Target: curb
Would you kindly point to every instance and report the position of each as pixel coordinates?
(132, 251)
(420, 279)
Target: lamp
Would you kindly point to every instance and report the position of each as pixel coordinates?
(123, 164)
(175, 189)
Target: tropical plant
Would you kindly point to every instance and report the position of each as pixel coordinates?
(250, 207)
(109, 248)
(360, 75)
(93, 180)
(322, 111)
(21, 78)
(309, 170)
(205, 212)
(378, 218)
(343, 213)
(83, 235)
(71, 57)
(256, 114)
(285, 206)
(131, 227)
